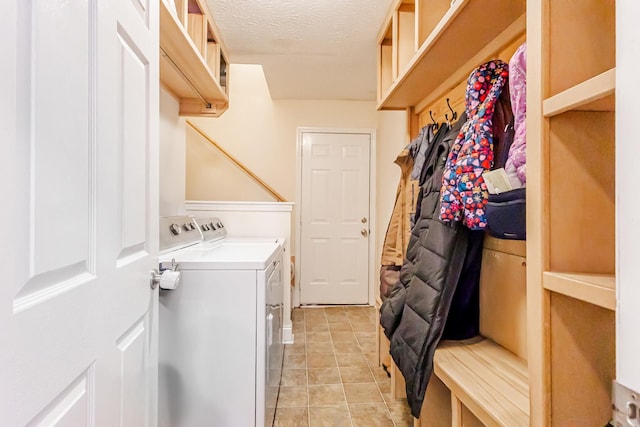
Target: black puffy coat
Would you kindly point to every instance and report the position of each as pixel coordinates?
(442, 265)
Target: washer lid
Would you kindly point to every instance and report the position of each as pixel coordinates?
(249, 256)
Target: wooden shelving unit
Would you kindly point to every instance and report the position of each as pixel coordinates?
(193, 60)
(571, 210)
(484, 381)
(456, 33)
(547, 306)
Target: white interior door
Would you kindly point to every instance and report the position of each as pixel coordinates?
(628, 206)
(79, 136)
(334, 215)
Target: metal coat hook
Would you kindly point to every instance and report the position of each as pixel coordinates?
(435, 124)
(454, 114)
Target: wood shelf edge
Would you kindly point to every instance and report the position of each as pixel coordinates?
(582, 94)
(511, 247)
(596, 289)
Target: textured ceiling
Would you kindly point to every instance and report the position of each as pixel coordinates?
(309, 49)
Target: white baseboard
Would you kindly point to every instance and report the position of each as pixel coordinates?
(287, 335)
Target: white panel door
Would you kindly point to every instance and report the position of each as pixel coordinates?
(334, 214)
(78, 343)
(628, 206)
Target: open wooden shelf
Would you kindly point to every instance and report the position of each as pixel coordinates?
(582, 362)
(580, 42)
(184, 69)
(595, 94)
(490, 381)
(581, 192)
(404, 32)
(429, 13)
(385, 61)
(598, 289)
(457, 37)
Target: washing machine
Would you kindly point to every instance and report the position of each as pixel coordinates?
(220, 334)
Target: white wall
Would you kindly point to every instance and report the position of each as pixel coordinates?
(261, 133)
(211, 176)
(627, 204)
(172, 157)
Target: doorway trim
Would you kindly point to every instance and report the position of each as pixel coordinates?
(372, 204)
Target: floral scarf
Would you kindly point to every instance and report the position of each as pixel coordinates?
(464, 193)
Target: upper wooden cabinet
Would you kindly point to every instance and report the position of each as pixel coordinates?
(193, 60)
(423, 41)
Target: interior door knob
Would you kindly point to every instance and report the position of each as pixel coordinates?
(154, 279)
(364, 220)
(364, 232)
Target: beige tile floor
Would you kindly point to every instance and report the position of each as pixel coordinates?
(331, 375)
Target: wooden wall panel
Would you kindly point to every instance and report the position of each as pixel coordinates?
(581, 193)
(577, 51)
(503, 300)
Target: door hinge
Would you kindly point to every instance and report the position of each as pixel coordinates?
(626, 406)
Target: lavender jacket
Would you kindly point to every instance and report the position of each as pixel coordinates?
(516, 164)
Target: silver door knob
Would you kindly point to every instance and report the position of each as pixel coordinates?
(154, 279)
(364, 232)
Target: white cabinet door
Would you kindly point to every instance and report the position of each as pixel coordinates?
(334, 212)
(79, 136)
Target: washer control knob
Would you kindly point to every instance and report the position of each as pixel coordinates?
(203, 227)
(175, 229)
(187, 226)
(212, 225)
(220, 225)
